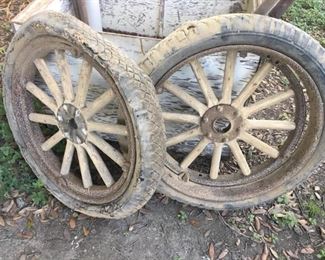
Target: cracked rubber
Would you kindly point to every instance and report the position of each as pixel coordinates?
(137, 93)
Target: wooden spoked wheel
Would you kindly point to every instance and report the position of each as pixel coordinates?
(242, 100)
(69, 97)
(74, 119)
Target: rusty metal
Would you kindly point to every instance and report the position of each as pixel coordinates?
(274, 8)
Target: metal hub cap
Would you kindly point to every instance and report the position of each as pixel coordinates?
(221, 123)
(72, 123)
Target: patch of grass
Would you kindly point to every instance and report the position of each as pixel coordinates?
(314, 211)
(286, 219)
(182, 216)
(321, 254)
(15, 174)
(309, 15)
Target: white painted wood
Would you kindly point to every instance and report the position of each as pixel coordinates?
(178, 12)
(37, 6)
(132, 16)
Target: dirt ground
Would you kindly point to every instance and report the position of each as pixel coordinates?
(154, 233)
(289, 228)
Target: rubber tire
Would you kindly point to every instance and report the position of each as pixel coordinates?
(232, 29)
(136, 90)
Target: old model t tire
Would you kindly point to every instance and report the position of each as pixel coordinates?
(90, 174)
(297, 66)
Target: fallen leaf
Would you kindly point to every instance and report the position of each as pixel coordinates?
(257, 224)
(25, 235)
(23, 257)
(259, 212)
(322, 232)
(274, 253)
(319, 197)
(194, 222)
(317, 188)
(307, 250)
(223, 254)
(266, 253)
(211, 252)
(86, 231)
(206, 234)
(2, 221)
(238, 242)
(131, 228)
(207, 214)
(72, 223)
(292, 254)
(8, 206)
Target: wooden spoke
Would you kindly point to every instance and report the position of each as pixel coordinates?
(183, 136)
(99, 164)
(43, 119)
(52, 141)
(42, 96)
(189, 159)
(258, 144)
(186, 98)
(253, 84)
(49, 80)
(64, 69)
(181, 118)
(107, 128)
(84, 167)
(215, 162)
(204, 83)
(270, 124)
(67, 158)
(83, 85)
(106, 148)
(268, 102)
(228, 81)
(99, 104)
(240, 158)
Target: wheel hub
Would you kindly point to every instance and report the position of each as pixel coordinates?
(72, 123)
(221, 123)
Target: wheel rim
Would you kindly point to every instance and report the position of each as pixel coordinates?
(237, 114)
(75, 113)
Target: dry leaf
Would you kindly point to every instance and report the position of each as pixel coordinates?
(23, 257)
(212, 252)
(223, 254)
(322, 232)
(131, 228)
(257, 224)
(292, 254)
(266, 253)
(319, 197)
(307, 251)
(8, 206)
(2, 221)
(194, 222)
(206, 234)
(259, 212)
(208, 214)
(25, 235)
(317, 188)
(238, 242)
(274, 253)
(86, 231)
(72, 223)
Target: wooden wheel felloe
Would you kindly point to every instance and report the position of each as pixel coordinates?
(67, 127)
(242, 98)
